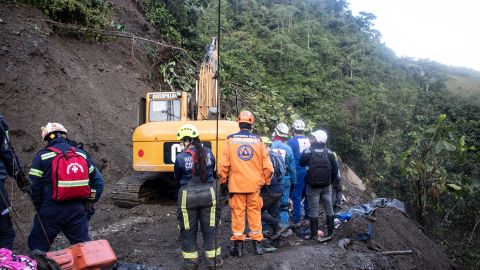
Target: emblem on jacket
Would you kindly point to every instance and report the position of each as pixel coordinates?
(245, 152)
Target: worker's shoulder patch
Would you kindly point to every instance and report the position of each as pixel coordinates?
(245, 152)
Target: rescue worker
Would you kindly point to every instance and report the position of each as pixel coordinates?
(271, 195)
(9, 166)
(280, 136)
(194, 170)
(322, 171)
(299, 143)
(245, 168)
(64, 178)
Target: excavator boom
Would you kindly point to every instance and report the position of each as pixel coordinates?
(155, 144)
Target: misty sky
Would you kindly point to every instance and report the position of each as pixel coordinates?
(446, 31)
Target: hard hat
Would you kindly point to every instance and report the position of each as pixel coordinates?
(187, 130)
(52, 127)
(299, 124)
(320, 136)
(246, 117)
(281, 130)
(266, 140)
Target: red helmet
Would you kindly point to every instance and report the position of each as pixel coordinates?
(246, 117)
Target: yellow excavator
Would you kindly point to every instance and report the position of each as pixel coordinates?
(155, 144)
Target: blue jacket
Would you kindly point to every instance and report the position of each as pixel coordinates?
(298, 144)
(276, 185)
(41, 175)
(305, 160)
(287, 153)
(183, 167)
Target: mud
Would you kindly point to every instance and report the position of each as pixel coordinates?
(93, 88)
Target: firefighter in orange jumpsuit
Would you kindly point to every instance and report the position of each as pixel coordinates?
(245, 167)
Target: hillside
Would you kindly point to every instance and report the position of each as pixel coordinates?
(282, 60)
(465, 83)
(91, 87)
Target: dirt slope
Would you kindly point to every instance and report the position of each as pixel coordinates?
(92, 88)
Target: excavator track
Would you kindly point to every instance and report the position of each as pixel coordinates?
(137, 189)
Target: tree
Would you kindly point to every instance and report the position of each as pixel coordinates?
(423, 163)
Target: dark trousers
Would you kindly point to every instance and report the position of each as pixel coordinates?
(271, 208)
(7, 234)
(71, 219)
(197, 205)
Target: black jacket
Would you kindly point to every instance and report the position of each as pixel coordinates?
(6, 153)
(305, 159)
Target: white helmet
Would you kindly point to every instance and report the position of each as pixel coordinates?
(281, 130)
(299, 124)
(52, 127)
(320, 136)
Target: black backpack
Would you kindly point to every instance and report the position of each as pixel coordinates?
(319, 169)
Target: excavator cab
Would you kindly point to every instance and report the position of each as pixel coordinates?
(155, 144)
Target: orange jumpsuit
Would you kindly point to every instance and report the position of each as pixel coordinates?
(246, 164)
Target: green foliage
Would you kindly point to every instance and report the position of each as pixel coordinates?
(423, 163)
(314, 60)
(89, 13)
(164, 22)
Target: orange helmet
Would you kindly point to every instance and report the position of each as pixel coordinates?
(246, 117)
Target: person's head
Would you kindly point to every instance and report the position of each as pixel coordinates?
(299, 126)
(245, 120)
(52, 131)
(189, 137)
(281, 132)
(267, 142)
(318, 136)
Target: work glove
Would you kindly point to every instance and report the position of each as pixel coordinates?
(90, 209)
(224, 190)
(24, 183)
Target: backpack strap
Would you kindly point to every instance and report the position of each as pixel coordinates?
(58, 151)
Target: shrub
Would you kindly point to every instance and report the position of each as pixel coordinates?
(89, 13)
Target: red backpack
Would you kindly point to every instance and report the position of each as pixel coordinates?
(69, 176)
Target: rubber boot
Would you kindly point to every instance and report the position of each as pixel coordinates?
(277, 231)
(237, 250)
(257, 248)
(330, 224)
(313, 228)
(214, 263)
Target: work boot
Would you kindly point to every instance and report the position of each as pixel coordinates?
(277, 231)
(330, 226)
(287, 233)
(257, 248)
(190, 264)
(313, 228)
(237, 250)
(211, 263)
(296, 225)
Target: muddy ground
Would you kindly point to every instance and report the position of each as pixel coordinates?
(93, 88)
